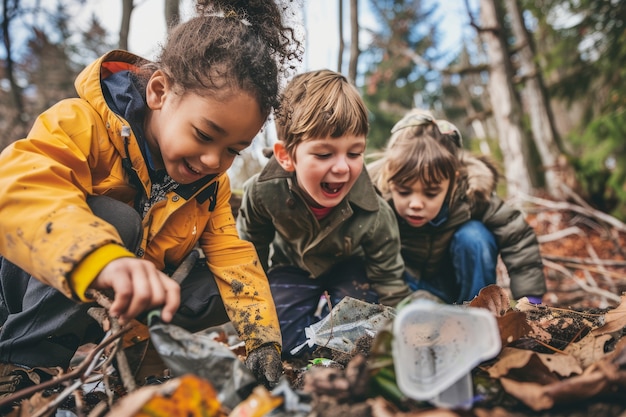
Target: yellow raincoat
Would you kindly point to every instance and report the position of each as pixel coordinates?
(75, 149)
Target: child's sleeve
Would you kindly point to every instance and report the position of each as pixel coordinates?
(518, 246)
(240, 278)
(47, 226)
(384, 266)
(253, 224)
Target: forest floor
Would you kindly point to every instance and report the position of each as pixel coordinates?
(563, 358)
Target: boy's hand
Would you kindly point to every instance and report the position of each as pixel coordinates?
(138, 286)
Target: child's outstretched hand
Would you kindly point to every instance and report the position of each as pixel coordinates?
(138, 286)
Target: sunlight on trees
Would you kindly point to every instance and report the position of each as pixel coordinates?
(567, 77)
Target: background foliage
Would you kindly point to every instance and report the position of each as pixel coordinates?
(579, 52)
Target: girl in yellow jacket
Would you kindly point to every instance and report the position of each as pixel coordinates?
(114, 188)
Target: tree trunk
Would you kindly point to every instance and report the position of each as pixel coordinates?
(505, 105)
(18, 118)
(354, 41)
(127, 11)
(172, 13)
(341, 43)
(536, 104)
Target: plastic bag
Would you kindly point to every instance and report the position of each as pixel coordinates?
(199, 354)
(348, 321)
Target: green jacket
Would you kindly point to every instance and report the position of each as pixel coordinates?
(274, 215)
(424, 248)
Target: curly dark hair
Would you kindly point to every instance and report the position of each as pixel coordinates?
(228, 45)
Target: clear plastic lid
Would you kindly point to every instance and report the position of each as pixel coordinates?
(435, 345)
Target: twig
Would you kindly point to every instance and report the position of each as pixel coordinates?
(78, 372)
(98, 410)
(572, 312)
(122, 362)
(544, 344)
(592, 252)
(612, 274)
(581, 283)
(58, 400)
(561, 205)
(585, 261)
(330, 313)
(559, 234)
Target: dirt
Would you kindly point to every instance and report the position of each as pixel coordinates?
(585, 270)
(583, 267)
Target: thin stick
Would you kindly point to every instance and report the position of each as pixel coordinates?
(78, 372)
(330, 313)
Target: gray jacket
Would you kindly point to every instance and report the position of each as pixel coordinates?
(275, 217)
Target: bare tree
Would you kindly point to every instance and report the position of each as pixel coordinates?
(172, 13)
(354, 41)
(127, 11)
(536, 105)
(504, 102)
(9, 11)
(341, 42)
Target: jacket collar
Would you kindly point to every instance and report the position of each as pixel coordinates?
(362, 193)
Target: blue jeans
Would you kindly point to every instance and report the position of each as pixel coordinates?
(469, 267)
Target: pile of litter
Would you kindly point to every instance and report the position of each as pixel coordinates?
(479, 359)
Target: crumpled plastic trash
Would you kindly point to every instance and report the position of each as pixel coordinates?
(348, 321)
(199, 354)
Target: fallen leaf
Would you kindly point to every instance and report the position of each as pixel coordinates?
(494, 412)
(605, 376)
(382, 408)
(513, 326)
(34, 405)
(493, 298)
(589, 349)
(615, 320)
(185, 396)
(523, 361)
(258, 404)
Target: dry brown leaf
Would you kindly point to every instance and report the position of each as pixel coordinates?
(513, 326)
(589, 349)
(520, 360)
(382, 408)
(543, 397)
(532, 394)
(185, 396)
(34, 405)
(494, 412)
(615, 320)
(605, 376)
(494, 299)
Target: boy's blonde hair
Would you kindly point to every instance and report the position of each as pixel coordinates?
(320, 104)
(417, 150)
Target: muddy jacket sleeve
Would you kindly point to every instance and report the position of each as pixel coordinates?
(47, 226)
(240, 277)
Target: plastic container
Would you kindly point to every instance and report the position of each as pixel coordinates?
(436, 346)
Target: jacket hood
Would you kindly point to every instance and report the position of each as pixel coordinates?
(478, 177)
(121, 104)
(89, 87)
(88, 83)
(363, 194)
